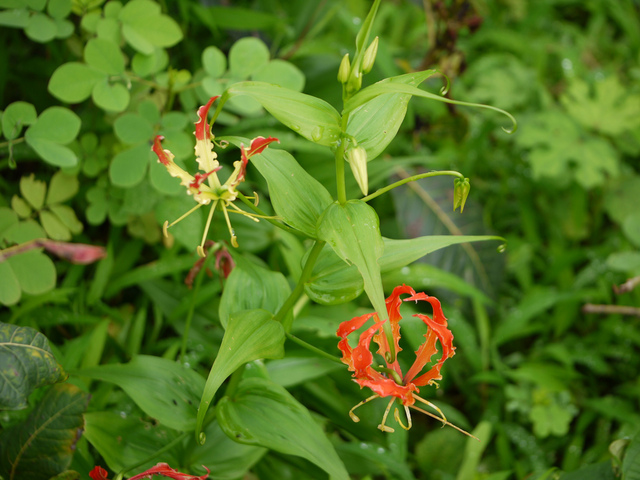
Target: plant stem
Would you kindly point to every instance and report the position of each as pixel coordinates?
(234, 381)
(11, 142)
(262, 213)
(340, 180)
(192, 306)
(413, 178)
(299, 289)
(311, 348)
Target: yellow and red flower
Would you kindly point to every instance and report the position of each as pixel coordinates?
(211, 191)
(389, 381)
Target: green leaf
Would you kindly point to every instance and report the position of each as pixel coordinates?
(16, 116)
(41, 28)
(21, 207)
(67, 216)
(131, 128)
(265, 414)
(35, 272)
(309, 116)
(62, 187)
(59, 8)
(44, 444)
(73, 82)
(250, 335)
(375, 123)
(129, 166)
(631, 228)
(56, 124)
(148, 64)
(162, 388)
(144, 27)
(124, 440)
(281, 73)
(246, 56)
(54, 227)
(33, 191)
(110, 97)
(27, 363)
(296, 370)
(269, 290)
(631, 461)
(473, 451)
(297, 197)
(18, 18)
(214, 62)
(104, 56)
(53, 153)
(10, 291)
(353, 231)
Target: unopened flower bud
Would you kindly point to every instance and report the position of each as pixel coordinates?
(369, 57)
(357, 158)
(345, 69)
(460, 193)
(355, 82)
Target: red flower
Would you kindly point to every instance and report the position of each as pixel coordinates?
(99, 473)
(390, 381)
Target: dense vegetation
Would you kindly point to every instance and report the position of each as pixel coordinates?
(106, 353)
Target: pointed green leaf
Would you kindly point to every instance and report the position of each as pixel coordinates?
(26, 363)
(333, 281)
(16, 116)
(353, 231)
(250, 335)
(309, 116)
(73, 82)
(67, 216)
(265, 414)
(396, 85)
(163, 389)
(297, 197)
(44, 444)
(269, 290)
(104, 56)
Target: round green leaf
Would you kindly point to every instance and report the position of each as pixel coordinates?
(37, 5)
(113, 9)
(129, 166)
(104, 56)
(64, 28)
(62, 187)
(35, 272)
(90, 21)
(109, 29)
(59, 8)
(56, 124)
(52, 153)
(41, 28)
(23, 232)
(158, 30)
(149, 111)
(145, 65)
(18, 18)
(54, 227)
(15, 116)
(132, 128)
(8, 218)
(33, 191)
(136, 9)
(281, 73)
(113, 98)
(162, 181)
(137, 40)
(214, 62)
(10, 292)
(175, 121)
(247, 56)
(73, 82)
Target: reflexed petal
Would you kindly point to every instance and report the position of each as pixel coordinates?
(387, 387)
(98, 473)
(202, 127)
(205, 156)
(165, 157)
(165, 470)
(258, 145)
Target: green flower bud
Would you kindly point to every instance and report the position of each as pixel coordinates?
(355, 82)
(460, 193)
(369, 57)
(357, 158)
(345, 69)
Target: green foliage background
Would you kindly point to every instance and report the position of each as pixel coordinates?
(548, 371)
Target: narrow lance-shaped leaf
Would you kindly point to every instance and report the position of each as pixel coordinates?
(250, 335)
(43, 446)
(26, 363)
(353, 231)
(265, 414)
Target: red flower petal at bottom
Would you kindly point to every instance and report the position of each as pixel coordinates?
(99, 473)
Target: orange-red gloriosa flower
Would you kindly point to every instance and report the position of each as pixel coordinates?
(163, 469)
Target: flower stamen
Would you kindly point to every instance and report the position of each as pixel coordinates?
(168, 225)
(232, 232)
(396, 415)
(443, 421)
(382, 425)
(353, 416)
(200, 248)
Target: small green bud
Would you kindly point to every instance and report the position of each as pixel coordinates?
(357, 158)
(345, 69)
(460, 193)
(355, 82)
(369, 57)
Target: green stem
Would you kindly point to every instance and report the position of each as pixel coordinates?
(167, 447)
(311, 348)
(11, 142)
(272, 221)
(299, 288)
(192, 306)
(234, 381)
(340, 180)
(413, 178)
